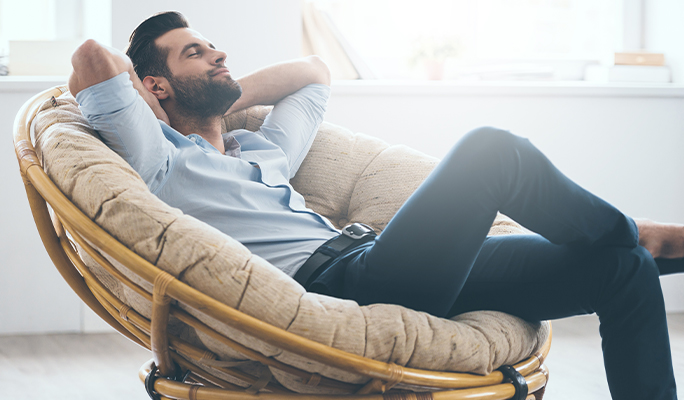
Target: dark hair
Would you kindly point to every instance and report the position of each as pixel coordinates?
(147, 58)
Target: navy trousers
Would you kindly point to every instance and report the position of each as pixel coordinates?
(435, 256)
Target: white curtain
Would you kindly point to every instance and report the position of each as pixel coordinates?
(321, 37)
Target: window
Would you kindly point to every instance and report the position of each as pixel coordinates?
(44, 32)
(480, 39)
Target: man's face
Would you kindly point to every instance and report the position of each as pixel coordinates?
(200, 83)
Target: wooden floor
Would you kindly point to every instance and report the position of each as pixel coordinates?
(104, 366)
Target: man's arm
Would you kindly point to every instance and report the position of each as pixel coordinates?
(271, 84)
(94, 63)
(113, 101)
(294, 121)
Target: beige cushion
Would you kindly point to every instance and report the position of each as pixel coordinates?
(346, 177)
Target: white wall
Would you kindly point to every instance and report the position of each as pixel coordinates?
(33, 296)
(624, 145)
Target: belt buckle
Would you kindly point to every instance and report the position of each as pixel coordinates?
(358, 231)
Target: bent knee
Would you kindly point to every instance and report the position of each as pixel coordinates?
(483, 144)
(489, 135)
(487, 139)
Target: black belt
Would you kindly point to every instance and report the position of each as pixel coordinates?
(351, 237)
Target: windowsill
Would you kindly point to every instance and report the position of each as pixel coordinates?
(506, 88)
(29, 83)
(432, 88)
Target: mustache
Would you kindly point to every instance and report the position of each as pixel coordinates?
(218, 70)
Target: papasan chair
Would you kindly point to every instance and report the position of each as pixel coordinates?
(222, 323)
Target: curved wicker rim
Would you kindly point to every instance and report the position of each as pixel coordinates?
(41, 190)
(172, 389)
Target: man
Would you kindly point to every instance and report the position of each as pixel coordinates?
(434, 255)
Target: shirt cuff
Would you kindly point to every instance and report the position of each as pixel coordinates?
(319, 89)
(108, 96)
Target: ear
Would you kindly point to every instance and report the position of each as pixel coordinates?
(158, 86)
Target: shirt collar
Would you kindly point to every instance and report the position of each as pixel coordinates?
(230, 143)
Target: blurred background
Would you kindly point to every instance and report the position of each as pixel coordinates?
(598, 85)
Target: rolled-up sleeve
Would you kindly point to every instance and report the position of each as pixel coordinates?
(294, 121)
(127, 125)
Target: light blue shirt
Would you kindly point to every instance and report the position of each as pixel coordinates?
(256, 206)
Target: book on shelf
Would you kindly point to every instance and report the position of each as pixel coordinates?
(636, 67)
(639, 58)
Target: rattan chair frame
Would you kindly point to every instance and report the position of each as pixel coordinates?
(62, 226)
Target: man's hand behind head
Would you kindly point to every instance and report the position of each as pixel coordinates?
(94, 63)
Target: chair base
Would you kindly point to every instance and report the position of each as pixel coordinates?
(192, 387)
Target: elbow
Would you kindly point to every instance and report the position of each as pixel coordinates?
(82, 61)
(91, 56)
(94, 63)
(86, 48)
(88, 53)
(321, 70)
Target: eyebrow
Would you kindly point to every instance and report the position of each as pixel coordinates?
(194, 45)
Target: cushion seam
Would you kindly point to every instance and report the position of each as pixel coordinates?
(359, 175)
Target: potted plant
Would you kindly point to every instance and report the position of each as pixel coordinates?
(431, 52)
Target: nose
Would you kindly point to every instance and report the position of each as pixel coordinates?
(219, 57)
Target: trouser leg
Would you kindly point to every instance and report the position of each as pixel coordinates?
(424, 255)
(534, 279)
(670, 266)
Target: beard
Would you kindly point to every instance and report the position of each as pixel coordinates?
(202, 97)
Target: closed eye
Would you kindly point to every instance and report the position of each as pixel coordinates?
(193, 54)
